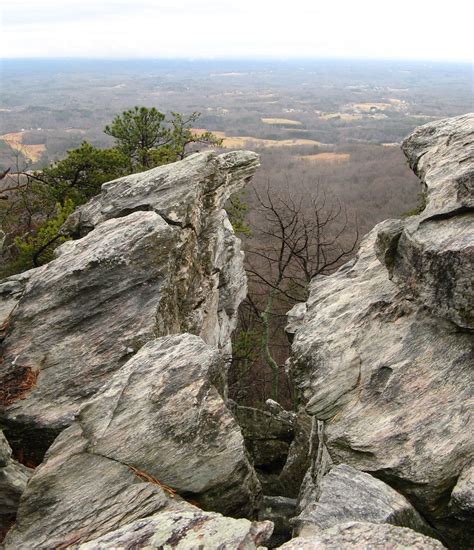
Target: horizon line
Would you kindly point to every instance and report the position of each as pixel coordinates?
(280, 59)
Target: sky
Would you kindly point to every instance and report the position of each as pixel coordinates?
(369, 29)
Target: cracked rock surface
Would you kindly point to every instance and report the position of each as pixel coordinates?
(160, 419)
(157, 256)
(384, 352)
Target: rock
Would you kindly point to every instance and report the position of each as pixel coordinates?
(294, 319)
(462, 496)
(183, 193)
(440, 153)
(279, 510)
(158, 256)
(267, 437)
(11, 291)
(432, 254)
(13, 480)
(184, 530)
(390, 376)
(75, 496)
(263, 425)
(160, 423)
(298, 459)
(364, 536)
(347, 494)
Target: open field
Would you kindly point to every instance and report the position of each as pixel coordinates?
(297, 108)
(15, 141)
(281, 121)
(243, 142)
(326, 157)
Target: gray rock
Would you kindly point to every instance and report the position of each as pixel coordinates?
(462, 496)
(260, 424)
(434, 262)
(298, 459)
(185, 530)
(347, 494)
(181, 192)
(392, 378)
(158, 257)
(13, 480)
(267, 437)
(440, 153)
(75, 496)
(158, 431)
(370, 362)
(432, 255)
(294, 319)
(364, 536)
(11, 291)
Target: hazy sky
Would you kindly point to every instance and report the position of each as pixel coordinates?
(400, 29)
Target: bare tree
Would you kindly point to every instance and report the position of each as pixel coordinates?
(293, 240)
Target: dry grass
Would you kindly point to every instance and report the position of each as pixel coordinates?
(286, 121)
(152, 479)
(31, 152)
(326, 157)
(241, 142)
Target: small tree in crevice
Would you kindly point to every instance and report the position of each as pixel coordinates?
(293, 240)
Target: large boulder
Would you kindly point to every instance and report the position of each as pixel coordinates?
(157, 256)
(386, 359)
(432, 255)
(157, 432)
(364, 536)
(346, 494)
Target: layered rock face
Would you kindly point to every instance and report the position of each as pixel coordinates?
(157, 432)
(383, 353)
(120, 345)
(157, 256)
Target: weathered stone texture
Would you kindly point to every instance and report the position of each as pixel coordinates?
(160, 421)
(157, 256)
(384, 355)
(364, 536)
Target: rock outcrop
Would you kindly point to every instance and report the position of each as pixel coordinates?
(384, 352)
(157, 256)
(185, 530)
(389, 366)
(157, 432)
(431, 256)
(117, 351)
(113, 376)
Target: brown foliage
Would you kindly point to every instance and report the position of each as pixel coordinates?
(15, 383)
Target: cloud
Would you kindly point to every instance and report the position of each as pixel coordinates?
(244, 28)
(29, 12)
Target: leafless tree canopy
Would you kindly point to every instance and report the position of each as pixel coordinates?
(294, 238)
